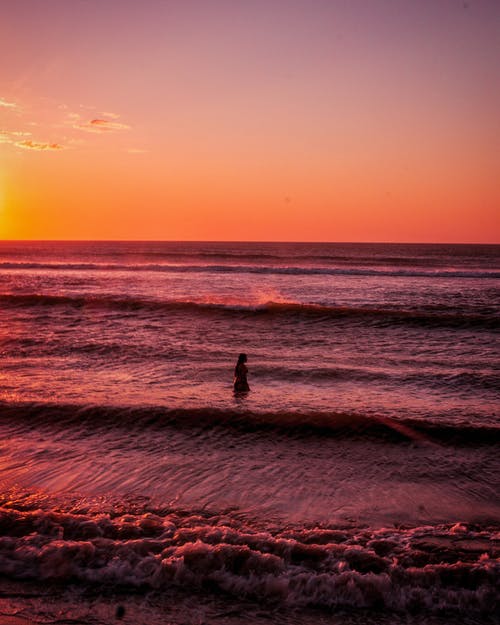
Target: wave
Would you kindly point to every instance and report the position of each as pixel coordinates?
(285, 423)
(436, 315)
(135, 546)
(480, 380)
(475, 379)
(415, 272)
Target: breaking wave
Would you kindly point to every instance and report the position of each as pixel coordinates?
(452, 567)
(414, 272)
(431, 316)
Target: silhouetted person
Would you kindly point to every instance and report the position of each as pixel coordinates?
(240, 375)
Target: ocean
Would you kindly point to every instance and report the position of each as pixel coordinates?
(357, 481)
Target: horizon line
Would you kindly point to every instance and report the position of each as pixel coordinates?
(246, 241)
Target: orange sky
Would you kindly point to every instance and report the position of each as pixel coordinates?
(267, 120)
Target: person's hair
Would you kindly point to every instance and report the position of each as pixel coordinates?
(241, 359)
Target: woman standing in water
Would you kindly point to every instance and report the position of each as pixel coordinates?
(240, 375)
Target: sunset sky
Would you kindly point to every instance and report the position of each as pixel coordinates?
(301, 120)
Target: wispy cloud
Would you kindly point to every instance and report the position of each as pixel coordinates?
(15, 133)
(34, 145)
(6, 104)
(9, 136)
(101, 125)
(136, 151)
(110, 115)
(13, 137)
(64, 126)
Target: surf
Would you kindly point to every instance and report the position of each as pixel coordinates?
(293, 270)
(432, 316)
(292, 423)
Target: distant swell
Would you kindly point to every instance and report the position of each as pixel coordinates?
(452, 568)
(470, 380)
(434, 316)
(416, 272)
(295, 424)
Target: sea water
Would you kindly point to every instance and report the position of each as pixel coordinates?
(361, 471)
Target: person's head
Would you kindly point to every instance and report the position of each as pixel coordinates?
(242, 358)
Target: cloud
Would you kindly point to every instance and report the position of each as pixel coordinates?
(55, 117)
(33, 145)
(101, 125)
(9, 105)
(110, 115)
(136, 151)
(14, 133)
(11, 136)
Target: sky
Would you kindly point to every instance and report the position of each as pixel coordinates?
(264, 120)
